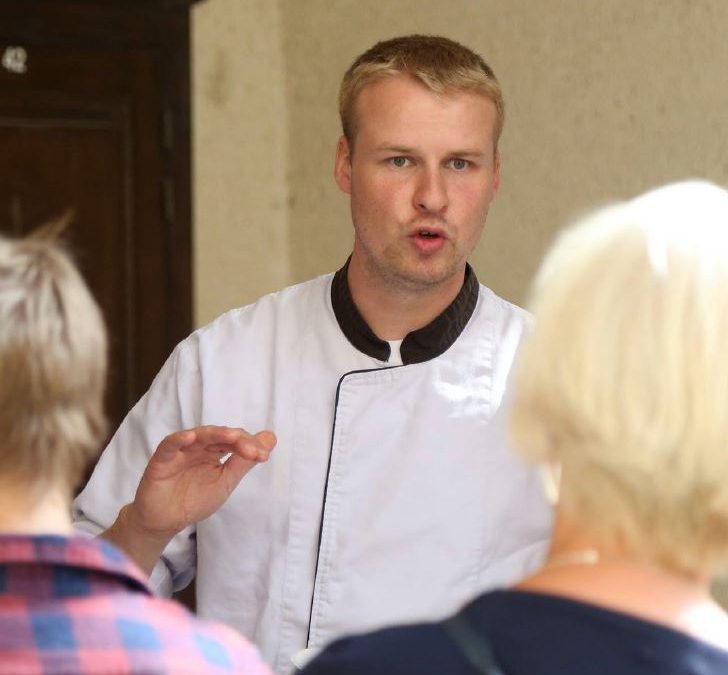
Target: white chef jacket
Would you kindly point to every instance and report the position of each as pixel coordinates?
(391, 494)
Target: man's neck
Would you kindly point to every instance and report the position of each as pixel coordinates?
(393, 312)
(20, 513)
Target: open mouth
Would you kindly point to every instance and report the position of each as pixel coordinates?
(428, 235)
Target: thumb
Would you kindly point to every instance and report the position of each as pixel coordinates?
(267, 439)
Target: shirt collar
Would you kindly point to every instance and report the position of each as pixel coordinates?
(420, 345)
(95, 555)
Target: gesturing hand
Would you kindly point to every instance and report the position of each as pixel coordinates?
(185, 480)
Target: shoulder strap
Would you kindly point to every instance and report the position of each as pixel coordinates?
(472, 644)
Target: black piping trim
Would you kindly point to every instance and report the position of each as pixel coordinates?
(326, 487)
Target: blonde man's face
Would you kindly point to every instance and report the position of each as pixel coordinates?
(421, 176)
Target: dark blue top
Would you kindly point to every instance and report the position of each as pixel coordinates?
(530, 634)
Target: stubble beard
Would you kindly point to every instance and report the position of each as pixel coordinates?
(405, 273)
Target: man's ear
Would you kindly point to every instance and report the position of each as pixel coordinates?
(496, 172)
(342, 165)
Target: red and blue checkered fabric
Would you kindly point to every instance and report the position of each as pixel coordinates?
(76, 605)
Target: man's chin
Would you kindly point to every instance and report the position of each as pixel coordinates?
(426, 278)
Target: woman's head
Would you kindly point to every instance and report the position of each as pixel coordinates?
(52, 366)
(624, 379)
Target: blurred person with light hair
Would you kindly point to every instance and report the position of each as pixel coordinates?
(70, 604)
(622, 399)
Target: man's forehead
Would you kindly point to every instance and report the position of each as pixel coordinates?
(401, 92)
(395, 112)
(414, 83)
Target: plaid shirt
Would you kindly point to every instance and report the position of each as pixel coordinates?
(76, 605)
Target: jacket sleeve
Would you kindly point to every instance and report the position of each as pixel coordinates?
(171, 404)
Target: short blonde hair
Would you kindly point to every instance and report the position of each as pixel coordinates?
(624, 379)
(441, 64)
(52, 365)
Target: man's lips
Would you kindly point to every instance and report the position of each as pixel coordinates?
(428, 240)
(426, 232)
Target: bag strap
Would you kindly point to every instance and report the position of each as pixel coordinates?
(472, 644)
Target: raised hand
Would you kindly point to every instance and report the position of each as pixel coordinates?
(189, 476)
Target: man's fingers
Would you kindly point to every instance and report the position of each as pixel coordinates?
(172, 444)
(218, 440)
(239, 464)
(254, 448)
(267, 439)
(211, 434)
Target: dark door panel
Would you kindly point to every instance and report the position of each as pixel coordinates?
(53, 164)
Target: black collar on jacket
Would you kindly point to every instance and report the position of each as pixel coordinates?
(420, 345)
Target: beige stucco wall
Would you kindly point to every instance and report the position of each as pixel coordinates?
(604, 99)
(240, 154)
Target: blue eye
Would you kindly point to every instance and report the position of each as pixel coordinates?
(399, 162)
(459, 164)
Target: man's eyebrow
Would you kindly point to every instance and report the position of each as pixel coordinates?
(406, 150)
(467, 153)
(394, 148)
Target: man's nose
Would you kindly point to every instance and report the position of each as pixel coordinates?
(431, 191)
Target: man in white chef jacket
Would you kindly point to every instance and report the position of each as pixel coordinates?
(363, 409)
